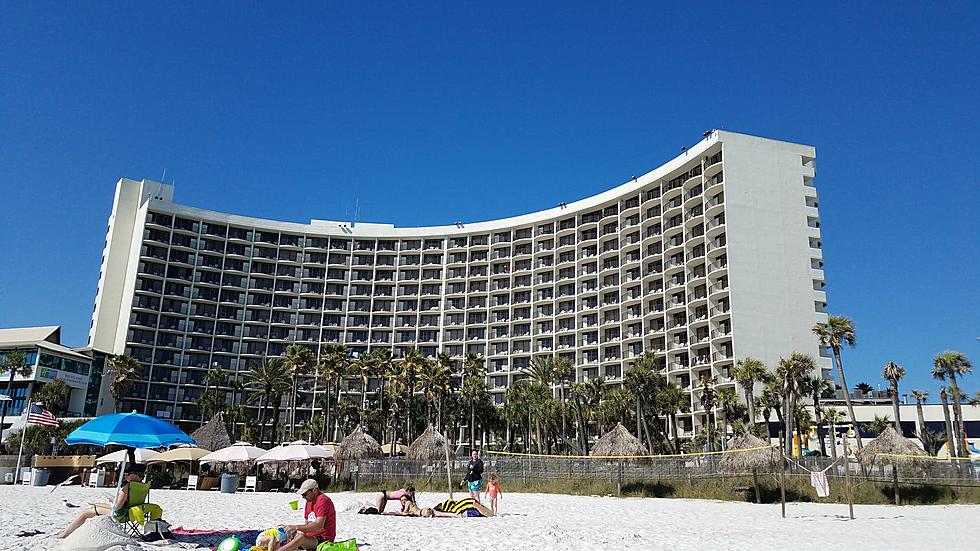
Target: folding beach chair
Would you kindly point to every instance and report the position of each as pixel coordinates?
(191, 482)
(138, 510)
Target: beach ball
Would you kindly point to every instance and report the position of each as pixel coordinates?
(230, 544)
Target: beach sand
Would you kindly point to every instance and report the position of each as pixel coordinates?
(533, 521)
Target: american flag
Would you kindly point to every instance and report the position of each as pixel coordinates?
(40, 416)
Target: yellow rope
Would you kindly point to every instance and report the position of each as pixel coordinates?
(627, 456)
(926, 457)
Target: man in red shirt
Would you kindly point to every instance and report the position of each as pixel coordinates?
(323, 526)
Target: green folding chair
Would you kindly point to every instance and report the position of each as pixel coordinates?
(138, 511)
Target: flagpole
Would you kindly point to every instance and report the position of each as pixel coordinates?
(23, 436)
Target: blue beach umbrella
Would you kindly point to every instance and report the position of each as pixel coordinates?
(133, 430)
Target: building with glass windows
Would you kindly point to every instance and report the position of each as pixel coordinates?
(49, 360)
(713, 256)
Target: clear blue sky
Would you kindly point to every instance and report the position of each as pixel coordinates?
(427, 113)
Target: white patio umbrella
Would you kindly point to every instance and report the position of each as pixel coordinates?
(237, 452)
(143, 456)
(295, 451)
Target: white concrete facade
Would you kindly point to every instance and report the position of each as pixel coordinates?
(709, 258)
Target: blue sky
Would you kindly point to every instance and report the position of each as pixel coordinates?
(434, 112)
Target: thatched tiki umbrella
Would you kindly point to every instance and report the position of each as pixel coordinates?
(213, 435)
(754, 461)
(431, 446)
(883, 449)
(358, 445)
(619, 443)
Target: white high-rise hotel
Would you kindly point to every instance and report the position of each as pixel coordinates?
(713, 257)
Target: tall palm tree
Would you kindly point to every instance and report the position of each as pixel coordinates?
(268, 379)
(833, 418)
(837, 332)
(298, 360)
(413, 364)
(815, 386)
(333, 367)
(773, 400)
(382, 360)
(879, 424)
(366, 368)
(727, 400)
(746, 373)
(708, 400)
(15, 364)
(397, 384)
(952, 364)
(581, 428)
(474, 386)
(563, 370)
(791, 373)
(920, 396)
(893, 373)
(445, 378)
(672, 400)
(123, 370)
(952, 446)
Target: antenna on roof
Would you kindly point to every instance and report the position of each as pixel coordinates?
(356, 212)
(164, 177)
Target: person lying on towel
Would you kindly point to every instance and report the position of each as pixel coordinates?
(468, 507)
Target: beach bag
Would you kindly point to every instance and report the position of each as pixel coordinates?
(156, 530)
(346, 545)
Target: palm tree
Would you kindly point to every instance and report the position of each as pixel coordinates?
(444, 380)
(791, 373)
(951, 444)
(333, 367)
(123, 370)
(15, 364)
(563, 369)
(474, 386)
(382, 361)
(920, 396)
(837, 332)
(746, 372)
(366, 367)
(727, 399)
(412, 365)
(833, 418)
(952, 364)
(268, 380)
(672, 400)
(815, 386)
(773, 400)
(879, 424)
(298, 360)
(581, 429)
(864, 388)
(892, 372)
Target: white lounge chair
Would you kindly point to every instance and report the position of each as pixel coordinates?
(26, 476)
(191, 482)
(250, 483)
(93, 478)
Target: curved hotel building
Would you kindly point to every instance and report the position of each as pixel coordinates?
(712, 257)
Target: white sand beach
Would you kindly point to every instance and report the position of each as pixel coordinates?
(533, 521)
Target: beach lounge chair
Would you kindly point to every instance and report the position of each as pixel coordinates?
(138, 510)
(191, 482)
(26, 476)
(93, 478)
(250, 483)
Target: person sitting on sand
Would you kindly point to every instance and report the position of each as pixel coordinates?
(381, 500)
(134, 472)
(322, 528)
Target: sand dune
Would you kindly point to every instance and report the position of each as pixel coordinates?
(535, 521)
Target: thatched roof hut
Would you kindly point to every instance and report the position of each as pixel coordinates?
(430, 446)
(358, 445)
(763, 461)
(890, 442)
(213, 435)
(619, 442)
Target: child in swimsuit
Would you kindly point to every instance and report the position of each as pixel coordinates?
(492, 491)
